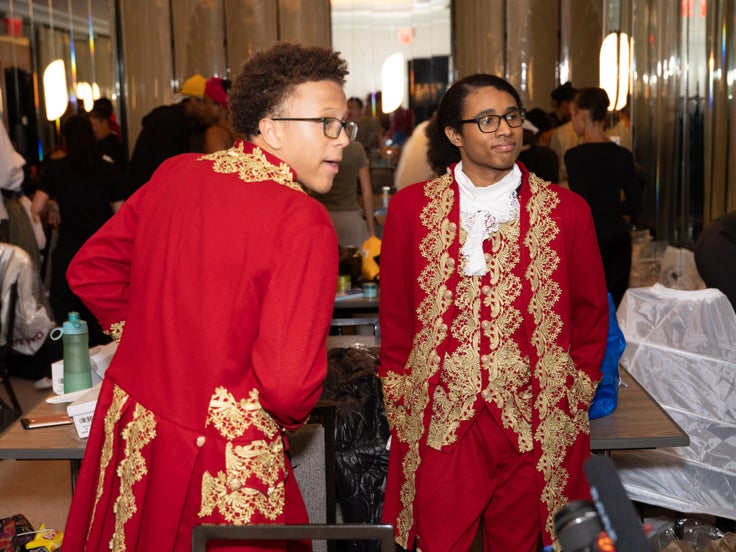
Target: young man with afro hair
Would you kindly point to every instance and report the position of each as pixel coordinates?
(218, 278)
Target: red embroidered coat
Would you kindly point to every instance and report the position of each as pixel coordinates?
(525, 341)
(224, 274)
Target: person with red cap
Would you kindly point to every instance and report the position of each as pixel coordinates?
(219, 135)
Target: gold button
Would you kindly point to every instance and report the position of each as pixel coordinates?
(234, 484)
(200, 441)
(450, 262)
(485, 324)
(452, 226)
(486, 290)
(443, 328)
(447, 294)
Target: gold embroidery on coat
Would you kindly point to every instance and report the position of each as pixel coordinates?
(557, 429)
(251, 167)
(119, 398)
(455, 398)
(407, 395)
(259, 463)
(509, 375)
(116, 331)
(140, 431)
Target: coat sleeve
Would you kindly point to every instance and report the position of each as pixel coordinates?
(99, 274)
(589, 298)
(289, 355)
(398, 282)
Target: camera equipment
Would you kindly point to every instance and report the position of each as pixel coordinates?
(578, 526)
(608, 523)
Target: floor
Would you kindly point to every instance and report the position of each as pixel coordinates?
(38, 489)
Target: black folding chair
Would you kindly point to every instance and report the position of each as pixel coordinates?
(9, 328)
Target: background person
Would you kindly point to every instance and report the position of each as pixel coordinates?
(536, 154)
(219, 135)
(353, 225)
(168, 130)
(602, 172)
(494, 320)
(222, 302)
(108, 142)
(562, 97)
(88, 190)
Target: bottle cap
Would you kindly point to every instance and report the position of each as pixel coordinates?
(74, 325)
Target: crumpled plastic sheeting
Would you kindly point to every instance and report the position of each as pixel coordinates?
(680, 347)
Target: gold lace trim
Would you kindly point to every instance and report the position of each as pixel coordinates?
(413, 387)
(251, 167)
(261, 462)
(119, 398)
(557, 430)
(508, 375)
(140, 431)
(116, 331)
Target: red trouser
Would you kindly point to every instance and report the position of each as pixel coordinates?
(482, 477)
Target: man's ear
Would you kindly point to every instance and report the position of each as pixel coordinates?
(454, 136)
(271, 133)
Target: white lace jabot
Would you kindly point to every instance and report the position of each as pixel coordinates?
(482, 210)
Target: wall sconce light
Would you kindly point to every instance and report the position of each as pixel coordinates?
(614, 68)
(393, 78)
(88, 93)
(56, 95)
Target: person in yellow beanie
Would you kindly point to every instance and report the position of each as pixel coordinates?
(168, 130)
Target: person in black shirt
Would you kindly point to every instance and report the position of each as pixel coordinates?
(536, 155)
(88, 190)
(168, 130)
(108, 142)
(600, 171)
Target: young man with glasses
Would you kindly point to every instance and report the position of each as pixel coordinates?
(218, 278)
(494, 318)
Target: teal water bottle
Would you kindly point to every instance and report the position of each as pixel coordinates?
(77, 366)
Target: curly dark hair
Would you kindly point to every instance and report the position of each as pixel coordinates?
(594, 100)
(441, 152)
(266, 79)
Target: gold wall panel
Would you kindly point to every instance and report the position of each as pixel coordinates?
(479, 27)
(147, 57)
(252, 25)
(199, 38)
(581, 31)
(305, 21)
(533, 48)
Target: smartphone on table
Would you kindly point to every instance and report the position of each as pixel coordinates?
(45, 421)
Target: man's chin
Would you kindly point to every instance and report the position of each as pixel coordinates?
(318, 187)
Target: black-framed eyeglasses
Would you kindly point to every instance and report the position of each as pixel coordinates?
(491, 123)
(331, 126)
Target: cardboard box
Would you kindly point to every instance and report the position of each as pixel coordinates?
(83, 409)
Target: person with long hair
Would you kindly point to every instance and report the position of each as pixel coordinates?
(494, 320)
(604, 173)
(88, 190)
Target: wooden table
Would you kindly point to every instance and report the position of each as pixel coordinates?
(639, 422)
(45, 443)
(345, 305)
